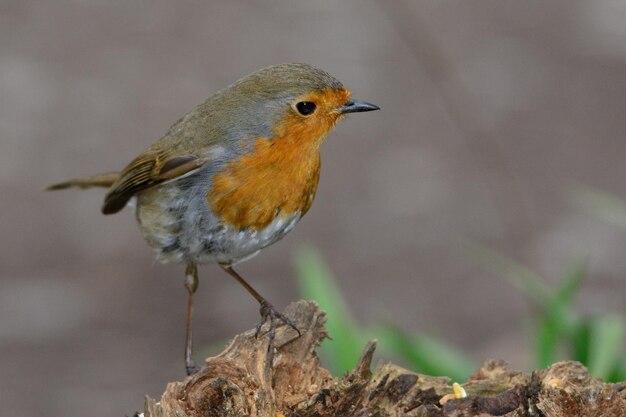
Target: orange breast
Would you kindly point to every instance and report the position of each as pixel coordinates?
(274, 179)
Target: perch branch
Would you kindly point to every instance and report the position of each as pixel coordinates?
(248, 380)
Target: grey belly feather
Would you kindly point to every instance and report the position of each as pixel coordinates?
(176, 221)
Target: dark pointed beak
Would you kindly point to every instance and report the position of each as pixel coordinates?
(355, 106)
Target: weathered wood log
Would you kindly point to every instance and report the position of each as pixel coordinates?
(248, 380)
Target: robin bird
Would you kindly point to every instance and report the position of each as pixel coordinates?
(232, 176)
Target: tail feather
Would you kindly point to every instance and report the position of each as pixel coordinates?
(101, 180)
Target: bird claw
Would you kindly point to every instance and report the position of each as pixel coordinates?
(268, 312)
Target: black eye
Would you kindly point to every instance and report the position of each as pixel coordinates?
(305, 107)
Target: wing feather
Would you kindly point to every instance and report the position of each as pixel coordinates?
(145, 171)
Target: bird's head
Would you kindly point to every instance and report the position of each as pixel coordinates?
(297, 101)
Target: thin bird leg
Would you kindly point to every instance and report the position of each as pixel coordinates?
(191, 283)
(267, 310)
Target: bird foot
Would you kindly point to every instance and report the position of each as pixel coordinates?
(191, 368)
(268, 312)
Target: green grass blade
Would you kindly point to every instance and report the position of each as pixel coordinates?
(316, 283)
(606, 347)
(600, 204)
(546, 337)
(619, 373)
(581, 342)
(558, 323)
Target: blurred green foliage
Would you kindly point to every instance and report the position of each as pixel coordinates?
(559, 332)
(421, 352)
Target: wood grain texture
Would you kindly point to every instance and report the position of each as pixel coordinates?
(248, 380)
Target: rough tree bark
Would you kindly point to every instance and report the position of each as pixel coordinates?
(248, 380)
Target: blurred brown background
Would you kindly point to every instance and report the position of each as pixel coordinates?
(492, 112)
